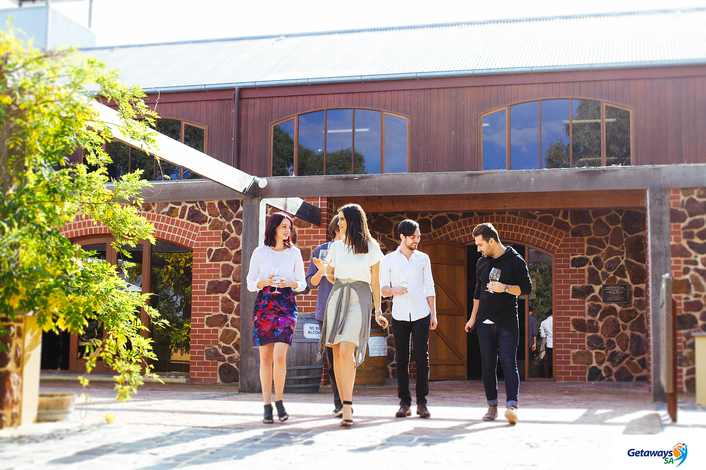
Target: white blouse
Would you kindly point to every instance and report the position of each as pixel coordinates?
(289, 261)
(348, 265)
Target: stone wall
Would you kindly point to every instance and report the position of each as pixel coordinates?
(688, 247)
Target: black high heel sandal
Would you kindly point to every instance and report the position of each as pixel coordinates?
(281, 412)
(268, 418)
(347, 423)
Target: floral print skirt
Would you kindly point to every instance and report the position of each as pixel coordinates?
(274, 317)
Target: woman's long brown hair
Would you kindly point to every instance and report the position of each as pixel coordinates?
(357, 234)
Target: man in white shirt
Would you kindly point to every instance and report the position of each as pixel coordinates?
(405, 274)
(546, 329)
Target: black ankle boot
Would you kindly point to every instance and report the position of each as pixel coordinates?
(267, 418)
(281, 412)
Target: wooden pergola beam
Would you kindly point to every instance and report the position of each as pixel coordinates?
(481, 202)
(488, 182)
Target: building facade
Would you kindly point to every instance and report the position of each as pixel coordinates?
(595, 172)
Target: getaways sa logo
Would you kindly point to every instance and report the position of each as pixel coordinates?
(675, 456)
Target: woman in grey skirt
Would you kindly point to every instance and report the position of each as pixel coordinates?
(352, 266)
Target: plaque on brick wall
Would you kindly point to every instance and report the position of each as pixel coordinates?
(615, 293)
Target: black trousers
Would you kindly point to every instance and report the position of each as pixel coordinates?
(418, 331)
(334, 386)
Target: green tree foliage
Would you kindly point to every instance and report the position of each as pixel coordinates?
(541, 296)
(282, 152)
(557, 155)
(617, 136)
(45, 115)
(311, 162)
(339, 163)
(586, 138)
(171, 282)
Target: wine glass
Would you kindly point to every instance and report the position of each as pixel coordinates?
(494, 276)
(404, 282)
(274, 272)
(323, 254)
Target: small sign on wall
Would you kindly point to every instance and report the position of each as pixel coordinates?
(311, 331)
(615, 293)
(377, 346)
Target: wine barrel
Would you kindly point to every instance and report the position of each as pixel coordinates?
(373, 370)
(303, 370)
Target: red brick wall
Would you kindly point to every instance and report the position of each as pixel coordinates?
(688, 250)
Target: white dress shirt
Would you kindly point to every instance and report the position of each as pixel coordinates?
(546, 329)
(413, 305)
(350, 266)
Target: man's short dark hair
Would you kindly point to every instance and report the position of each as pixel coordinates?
(407, 227)
(333, 227)
(549, 312)
(486, 231)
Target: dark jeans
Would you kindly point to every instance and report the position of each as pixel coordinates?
(334, 386)
(498, 342)
(419, 332)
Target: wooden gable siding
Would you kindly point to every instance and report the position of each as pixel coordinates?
(669, 114)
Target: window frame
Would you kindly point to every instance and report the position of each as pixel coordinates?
(508, 127)
(181, 139)
(154, 167)
(383, 113)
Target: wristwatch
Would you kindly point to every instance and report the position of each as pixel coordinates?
(507, 289)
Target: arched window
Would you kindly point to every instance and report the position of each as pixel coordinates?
(340, 142)
(556, 133)
(127, 159)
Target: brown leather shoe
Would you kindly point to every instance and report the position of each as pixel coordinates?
(422, 411)
(404, 411)
(491, 414)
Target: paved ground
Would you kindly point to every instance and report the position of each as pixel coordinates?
(578, 425)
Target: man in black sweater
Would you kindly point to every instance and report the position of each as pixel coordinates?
(495, 315)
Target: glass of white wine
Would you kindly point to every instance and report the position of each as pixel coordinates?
(274, 272)
(494, 276)
(404, 282)
(323, 254)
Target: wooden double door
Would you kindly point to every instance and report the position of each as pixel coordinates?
(450, 347)
(447, 344)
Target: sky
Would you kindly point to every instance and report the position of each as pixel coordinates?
(117, 22)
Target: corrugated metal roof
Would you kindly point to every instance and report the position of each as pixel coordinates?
(618, 40)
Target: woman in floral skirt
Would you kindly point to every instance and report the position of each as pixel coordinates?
(276, 272)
